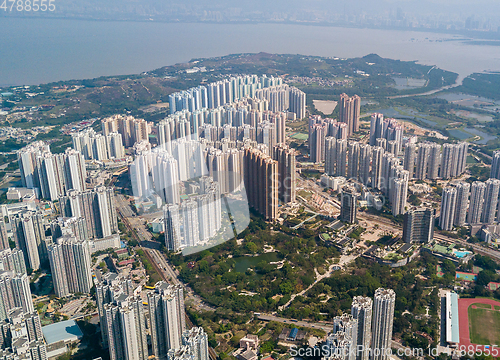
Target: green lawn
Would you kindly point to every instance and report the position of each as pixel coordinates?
(483, 306)
(300, 136)
(484, 325)
(471, 160)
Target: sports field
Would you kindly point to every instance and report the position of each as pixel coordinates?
(479, 321)
(299, 136)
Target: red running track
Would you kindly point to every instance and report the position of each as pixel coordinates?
(463, 316)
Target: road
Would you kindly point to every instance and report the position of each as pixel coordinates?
(167, 273)
(135, 224)
(171, 276)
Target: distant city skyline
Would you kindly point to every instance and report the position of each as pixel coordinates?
(438, 15)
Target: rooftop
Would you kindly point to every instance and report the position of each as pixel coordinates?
(65, 330)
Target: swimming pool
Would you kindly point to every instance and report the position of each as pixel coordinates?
(461, 254)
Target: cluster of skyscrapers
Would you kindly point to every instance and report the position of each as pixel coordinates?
(280, 97)
(366, 334)
(322, 130)
(249, 118)
(51, 175)
(88, 219)
(95, 146)
(130, 128)
(378, 164)
(369, 166)
(70, 266)
(96, 207)
(126, 324)
(21, 335)
(20, 327)
(431, 161)
(349, 112)
(195, 221)
(388, 129)
(463, 203)
(212, 132)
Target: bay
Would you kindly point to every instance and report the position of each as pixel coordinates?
(34, 51)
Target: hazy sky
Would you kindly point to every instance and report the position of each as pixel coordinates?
(464, 7)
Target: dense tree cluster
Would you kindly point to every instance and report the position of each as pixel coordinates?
(215, 278)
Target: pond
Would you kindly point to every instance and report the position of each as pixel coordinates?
(245, 262)
(472, 115)
(485, 137)
(408, 83)
(412, 114)
(459, 134)
(471, 101)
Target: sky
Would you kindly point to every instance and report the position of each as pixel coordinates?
(449, 9)
(479, 7)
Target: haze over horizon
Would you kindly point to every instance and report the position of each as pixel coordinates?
(446, 12)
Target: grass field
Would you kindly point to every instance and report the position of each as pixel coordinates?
(483, 306)
(300, 136)
(484, 325)
(471, 160)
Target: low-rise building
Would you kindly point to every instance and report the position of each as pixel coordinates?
(250, 342)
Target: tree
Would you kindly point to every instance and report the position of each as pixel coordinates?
(251, 247)
(485, 262)
(484, 277)
(448, 267)
(267, 346)
(286, 287)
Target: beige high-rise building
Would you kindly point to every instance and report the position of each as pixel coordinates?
(330, 156)
(96, 206)
(131, 129)
(29, 235)
(409, 159)
(428, 161)
(14, 292)
(261, 182)
(52, 175)
(349, 111)
(317, 134)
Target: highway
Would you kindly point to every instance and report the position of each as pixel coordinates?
(135, 224)
(140, 233)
